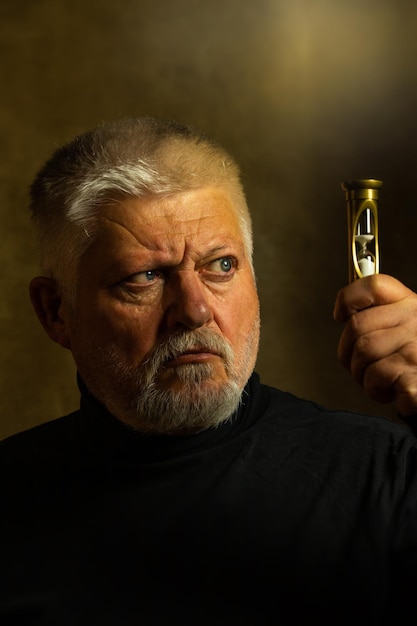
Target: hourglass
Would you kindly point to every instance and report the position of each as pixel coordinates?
(363, 251)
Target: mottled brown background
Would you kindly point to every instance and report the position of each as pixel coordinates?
(304, 93)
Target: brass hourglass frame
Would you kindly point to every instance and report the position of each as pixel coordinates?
(362, 207)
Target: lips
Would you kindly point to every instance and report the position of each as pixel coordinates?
(197, 355)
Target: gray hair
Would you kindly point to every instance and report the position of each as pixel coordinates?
(128, 157)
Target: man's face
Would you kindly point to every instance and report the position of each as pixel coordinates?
(166, 323)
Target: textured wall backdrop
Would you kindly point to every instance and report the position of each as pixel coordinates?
(304, 93)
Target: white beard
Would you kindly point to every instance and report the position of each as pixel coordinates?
(195, 402)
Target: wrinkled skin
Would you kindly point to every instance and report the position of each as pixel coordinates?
(378, 344)
(159, 266)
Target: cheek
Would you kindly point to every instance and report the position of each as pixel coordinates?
(241, 317)
(131, 331)
(134, 333)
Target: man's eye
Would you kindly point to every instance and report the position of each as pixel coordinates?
(144, 278)
(224, 265)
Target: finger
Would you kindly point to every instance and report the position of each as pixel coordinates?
(369, 291)
(362, 325)
(393, 378)
(376, 347)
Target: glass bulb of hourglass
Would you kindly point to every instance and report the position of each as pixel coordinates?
(366, 259)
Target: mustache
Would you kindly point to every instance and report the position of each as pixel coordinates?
(201, 339)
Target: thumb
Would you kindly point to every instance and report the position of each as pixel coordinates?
(366, 292)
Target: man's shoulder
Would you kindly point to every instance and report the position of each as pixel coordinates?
(36, 465)
(52, 434)
(287, 410)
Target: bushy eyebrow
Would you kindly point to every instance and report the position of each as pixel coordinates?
(216, 250)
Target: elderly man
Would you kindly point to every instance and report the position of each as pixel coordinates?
(183, 491)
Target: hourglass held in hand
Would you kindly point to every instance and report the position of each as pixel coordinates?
(362, 208)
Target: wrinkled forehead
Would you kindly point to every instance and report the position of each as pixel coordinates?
(188, 210)
(202, 216)
(180, 230)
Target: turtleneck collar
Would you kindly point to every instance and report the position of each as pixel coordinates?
(111, 438)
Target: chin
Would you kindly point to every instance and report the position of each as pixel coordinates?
(185, 406)
(188, 376)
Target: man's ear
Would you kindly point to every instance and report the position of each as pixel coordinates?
(49, 308)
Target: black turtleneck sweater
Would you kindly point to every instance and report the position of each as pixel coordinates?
(287, 514)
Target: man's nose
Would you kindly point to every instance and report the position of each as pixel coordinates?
(187, 302)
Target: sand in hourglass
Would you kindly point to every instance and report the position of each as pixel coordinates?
(365, 258)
